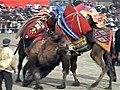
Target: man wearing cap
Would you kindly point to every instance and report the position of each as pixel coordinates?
(7, 65)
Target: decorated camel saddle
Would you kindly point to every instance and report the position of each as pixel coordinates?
(74, 22)
(36, 28)
(35, 25)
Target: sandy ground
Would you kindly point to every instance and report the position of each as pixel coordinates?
(87, 73)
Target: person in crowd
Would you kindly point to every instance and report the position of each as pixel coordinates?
(37, 6)
(7, 65)
(104, 10)
(117, 5)
(29, 5)
(117, 46)
(2, 5)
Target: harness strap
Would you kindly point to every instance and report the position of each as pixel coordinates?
(77, 14)
(62, 23)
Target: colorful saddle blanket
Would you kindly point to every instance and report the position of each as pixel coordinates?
(104, 37)
(34, 28)
(37, 24)
(99, 19)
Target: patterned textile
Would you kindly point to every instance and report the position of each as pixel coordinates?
(103, 37)
(44, 13)
(47, 17)
(99, 19)
(35, 28)
(37, 24)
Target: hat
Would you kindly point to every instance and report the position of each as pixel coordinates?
(77, 2)
(6, 42)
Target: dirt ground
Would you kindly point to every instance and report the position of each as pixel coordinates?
(87, 73)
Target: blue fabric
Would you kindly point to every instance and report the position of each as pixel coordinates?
(62, 23)
(68, 29)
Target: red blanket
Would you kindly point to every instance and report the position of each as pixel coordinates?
(77, 23)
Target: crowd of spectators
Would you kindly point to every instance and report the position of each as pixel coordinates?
(12, 18)
(112, 12)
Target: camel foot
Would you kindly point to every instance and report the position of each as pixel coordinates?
(26, 83)
(94, 85)
(18, 80)
(108, 88)
(61, 87)
(76, 83)
(38, 87)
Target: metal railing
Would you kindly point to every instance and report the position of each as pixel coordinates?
(13, 26)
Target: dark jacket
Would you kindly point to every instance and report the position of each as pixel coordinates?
(117, 37)
(117, 41)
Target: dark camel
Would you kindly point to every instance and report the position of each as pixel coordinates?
(44, 56)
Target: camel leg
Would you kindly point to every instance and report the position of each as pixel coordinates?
(34, 76)
(37, 78)
(96, 54)
(32, 61)
(27, 75)
(25, 69)
(63, 85)
(111, 70)
(65, 65)
(22, 55)
(73, 70)
(21, 58)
